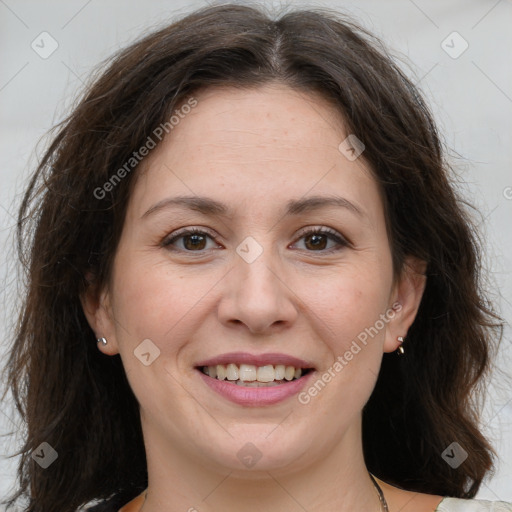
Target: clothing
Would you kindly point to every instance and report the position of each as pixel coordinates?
(135, 505)
(457, 505)
(447, 505)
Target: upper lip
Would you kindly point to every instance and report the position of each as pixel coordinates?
(256, 360)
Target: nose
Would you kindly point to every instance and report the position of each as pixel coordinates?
(256, 296)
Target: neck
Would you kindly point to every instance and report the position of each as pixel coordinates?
(335, 480)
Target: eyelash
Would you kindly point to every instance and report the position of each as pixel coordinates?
(333, 235)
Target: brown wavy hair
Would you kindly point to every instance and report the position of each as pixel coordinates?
(73, 397)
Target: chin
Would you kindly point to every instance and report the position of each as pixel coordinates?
(257, 454)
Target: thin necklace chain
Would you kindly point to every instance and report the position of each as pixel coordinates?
(383, 502)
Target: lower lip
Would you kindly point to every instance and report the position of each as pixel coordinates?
(255, 397)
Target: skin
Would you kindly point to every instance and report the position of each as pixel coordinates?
(254, 150)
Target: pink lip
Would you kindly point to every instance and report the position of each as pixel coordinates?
(256, 360)
(254, 397)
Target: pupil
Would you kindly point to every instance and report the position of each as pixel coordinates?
(317, 243)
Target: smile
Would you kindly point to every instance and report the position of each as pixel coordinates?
(254, 376)
(252, 386)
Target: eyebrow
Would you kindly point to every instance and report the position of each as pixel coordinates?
(209, 206)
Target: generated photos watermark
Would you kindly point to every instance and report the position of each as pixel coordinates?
(341, 361)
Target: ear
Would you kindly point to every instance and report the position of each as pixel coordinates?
(98, 311)
(405, 300)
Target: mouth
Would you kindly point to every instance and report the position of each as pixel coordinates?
(255, 386)
(253, 376)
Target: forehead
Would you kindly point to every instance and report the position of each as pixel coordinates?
(273, 118)
(244, 145)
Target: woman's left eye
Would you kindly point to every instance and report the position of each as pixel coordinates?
(319, 237)
(195, 240)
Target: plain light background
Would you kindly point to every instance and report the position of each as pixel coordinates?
(469, 91)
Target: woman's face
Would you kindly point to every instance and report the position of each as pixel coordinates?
(253, 281)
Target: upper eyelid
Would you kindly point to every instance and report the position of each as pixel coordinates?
(191, 231)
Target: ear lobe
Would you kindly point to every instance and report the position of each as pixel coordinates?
(98, 311)
(408, 293)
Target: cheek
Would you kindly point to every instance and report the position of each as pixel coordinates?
(348, 302)
(354, 308)
(153, 299)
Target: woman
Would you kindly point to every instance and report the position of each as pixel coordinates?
(251, 285)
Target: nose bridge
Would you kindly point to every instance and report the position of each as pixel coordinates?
(257, 283)
(257, 277)
(257, 298)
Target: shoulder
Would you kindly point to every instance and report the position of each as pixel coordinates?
(459, 505)
(410, 501)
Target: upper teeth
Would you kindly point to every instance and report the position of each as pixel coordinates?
(249, 372)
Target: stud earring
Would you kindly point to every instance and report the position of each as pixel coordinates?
(102, 340)
(400, 350)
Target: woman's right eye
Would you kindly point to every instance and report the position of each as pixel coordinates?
(192, 240)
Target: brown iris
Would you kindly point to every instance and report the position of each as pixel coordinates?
(198, 241)
(317, 241)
